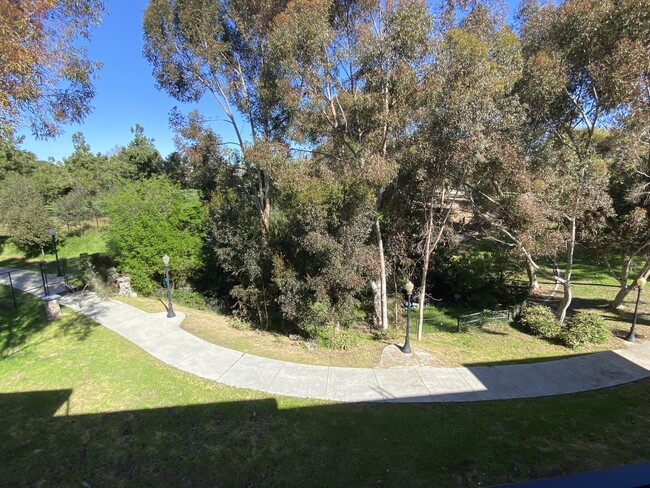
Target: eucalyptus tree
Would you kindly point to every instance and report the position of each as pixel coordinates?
(46, 78)
(353, 75)
(629, 72)
(626, 234)
(200, 157)
(468, 135)
(221, 48)
(569, 94)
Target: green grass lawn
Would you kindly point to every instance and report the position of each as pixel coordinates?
(82, 405)
(69, 247)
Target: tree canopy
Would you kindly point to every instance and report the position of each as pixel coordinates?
(46, 77)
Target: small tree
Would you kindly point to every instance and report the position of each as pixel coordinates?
(148, 219)
(23, 211)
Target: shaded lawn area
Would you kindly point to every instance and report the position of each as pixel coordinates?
(94, 408)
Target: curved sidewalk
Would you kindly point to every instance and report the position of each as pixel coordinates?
(163, 338)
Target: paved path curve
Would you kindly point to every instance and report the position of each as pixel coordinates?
(164, 339)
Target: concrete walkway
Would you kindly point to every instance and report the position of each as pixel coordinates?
(162, 337)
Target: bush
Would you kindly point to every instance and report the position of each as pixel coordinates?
(482, 278)
(586, 327)
(191, 299)
(341, 341)
(540, 321)
(151, 218)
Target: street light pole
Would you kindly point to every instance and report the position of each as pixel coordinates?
(407, 344)
(170, 310)
(640, 284)
(52, 232)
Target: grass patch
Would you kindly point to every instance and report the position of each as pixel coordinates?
(69, 247)
(228, 332)
(98, 410)
(491, 344)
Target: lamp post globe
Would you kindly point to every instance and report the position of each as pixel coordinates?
(52, 232)
(170, 308)
(407, 343)
(631, 336)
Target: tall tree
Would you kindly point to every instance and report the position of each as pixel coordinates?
(469, 137)
(140, 155)
(199, 159)
(22, 210)
(148, 219)
(221, 48)
(569, 94)
(46, 77)
(353, 73)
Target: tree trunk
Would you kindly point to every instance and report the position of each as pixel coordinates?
(532, 275)
(624, 290)
(264, 204)
(383, 300)
(423, 288)
(425, 271)
(396, 301)
(376, 293)
(428, 250)
(566, 285)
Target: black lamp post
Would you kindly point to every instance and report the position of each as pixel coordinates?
(170, 310)
(640, 284)
(407, 344)
(52, 232)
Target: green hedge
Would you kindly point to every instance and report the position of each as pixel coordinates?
(586, 327)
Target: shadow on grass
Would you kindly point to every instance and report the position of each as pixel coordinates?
(532, 360)
(261, 442)
(18, 326)
(487, 331)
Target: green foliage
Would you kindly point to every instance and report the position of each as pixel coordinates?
(74, 208)
(23, 211)
(585, 327)
(97, 268)
(148, 219)
(191, 299)
(46, 77)
(483, 279)
(236, 237)
(541, 321)
(15, 160)
(325, 261)
(139, 158)
(342, 340)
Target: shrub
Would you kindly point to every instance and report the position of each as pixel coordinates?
(540, 321)
(191, 299)
(586, 327)
(342, 340)
(151, 218)
(94, 280)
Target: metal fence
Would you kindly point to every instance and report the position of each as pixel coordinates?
(7, 292)
(47, 284)
(479, 319)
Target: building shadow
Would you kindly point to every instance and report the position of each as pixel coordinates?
(267, 442)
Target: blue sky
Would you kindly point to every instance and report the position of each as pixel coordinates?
(125, 93)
